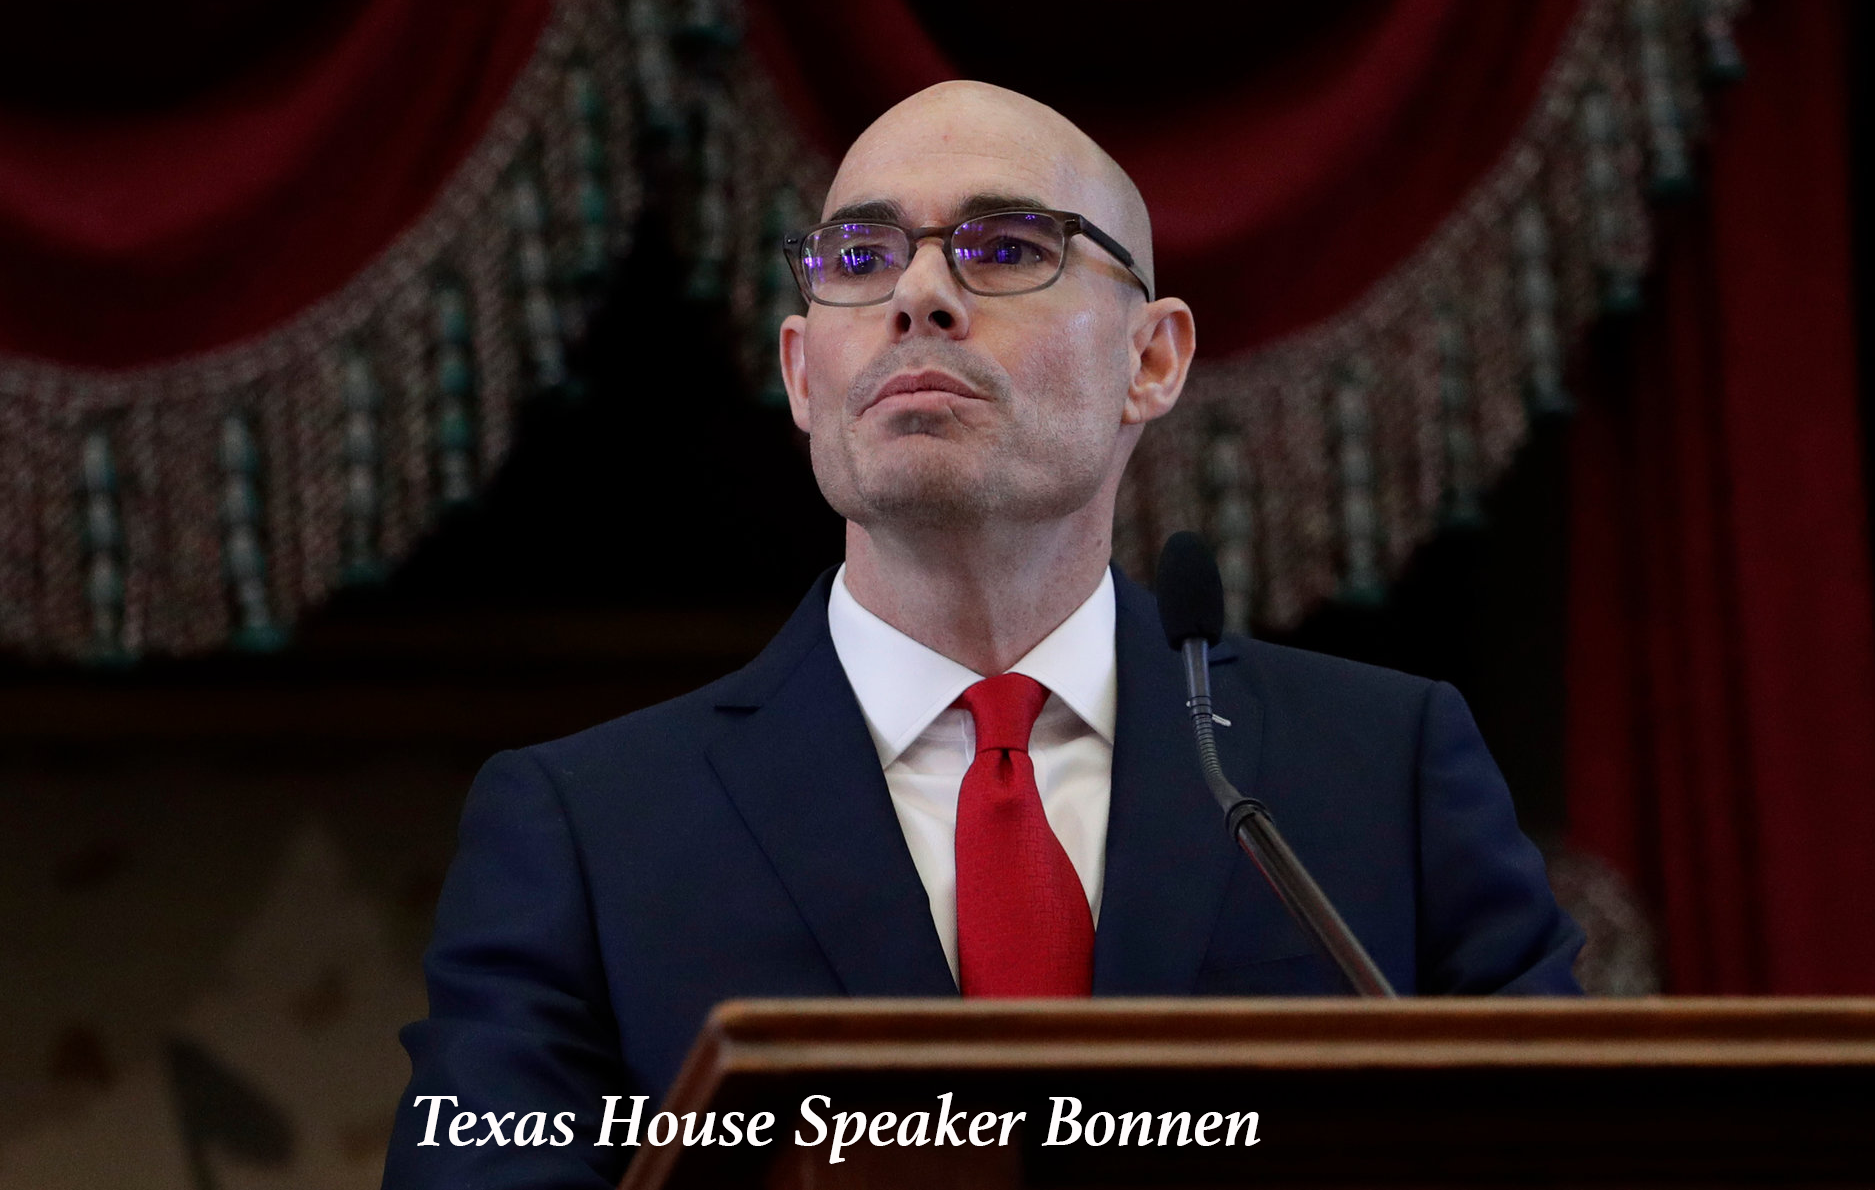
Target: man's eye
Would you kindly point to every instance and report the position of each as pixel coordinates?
(1007, 250)
(859, 261)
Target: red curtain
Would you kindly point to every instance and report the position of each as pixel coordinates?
(1721, 735)
(131, 233)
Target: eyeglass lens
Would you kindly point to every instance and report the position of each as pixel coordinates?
(856, 263)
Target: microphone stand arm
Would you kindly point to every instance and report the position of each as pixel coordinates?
(1255, 831)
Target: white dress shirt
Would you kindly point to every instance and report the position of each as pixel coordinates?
(925, 744)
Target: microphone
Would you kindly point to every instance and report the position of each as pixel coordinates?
(1191, 609)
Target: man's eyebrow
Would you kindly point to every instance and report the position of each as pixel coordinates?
(872, 210)
(884, 210)
(983, 204)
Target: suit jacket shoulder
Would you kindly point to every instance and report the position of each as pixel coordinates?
(1364, 765)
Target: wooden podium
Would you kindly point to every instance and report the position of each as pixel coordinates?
(1680, 1092)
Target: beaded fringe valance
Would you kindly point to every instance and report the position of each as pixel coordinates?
(1316, 465)
(211, 501)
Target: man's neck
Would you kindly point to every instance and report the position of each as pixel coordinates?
(982, 597)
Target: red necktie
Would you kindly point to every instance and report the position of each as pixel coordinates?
(1023, 926)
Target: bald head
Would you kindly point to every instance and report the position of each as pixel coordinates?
(993, 140)
(942, 416)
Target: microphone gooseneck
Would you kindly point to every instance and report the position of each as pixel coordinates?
(1191, 609)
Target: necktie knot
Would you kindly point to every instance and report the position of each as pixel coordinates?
(1004, 708)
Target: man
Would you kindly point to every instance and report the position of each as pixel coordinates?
(860, 812)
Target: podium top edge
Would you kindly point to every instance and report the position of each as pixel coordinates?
(1341, 1020)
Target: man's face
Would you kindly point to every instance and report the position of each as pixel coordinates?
(944, 407)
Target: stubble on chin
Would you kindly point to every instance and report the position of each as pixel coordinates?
(924, 485)
(906, 476)
(996, 468)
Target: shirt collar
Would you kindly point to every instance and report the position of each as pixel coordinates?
(903, 685)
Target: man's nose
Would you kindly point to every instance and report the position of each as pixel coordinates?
(928, 299)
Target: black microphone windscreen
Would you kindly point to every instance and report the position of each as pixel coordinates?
(1191, 595)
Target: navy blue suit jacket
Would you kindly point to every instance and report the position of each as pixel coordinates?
(609, 888)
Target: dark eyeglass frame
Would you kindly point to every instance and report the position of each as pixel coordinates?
(1072, 224)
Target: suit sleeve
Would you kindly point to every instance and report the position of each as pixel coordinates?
(1488, 921)
(519, 1014)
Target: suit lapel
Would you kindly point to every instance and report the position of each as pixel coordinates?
(1169, 858)
(800, 767)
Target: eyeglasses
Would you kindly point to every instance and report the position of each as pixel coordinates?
(858, 262)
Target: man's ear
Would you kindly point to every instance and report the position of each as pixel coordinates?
(794, 367)
(1164, 337)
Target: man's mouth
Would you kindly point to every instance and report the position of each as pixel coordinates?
(929, 381)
